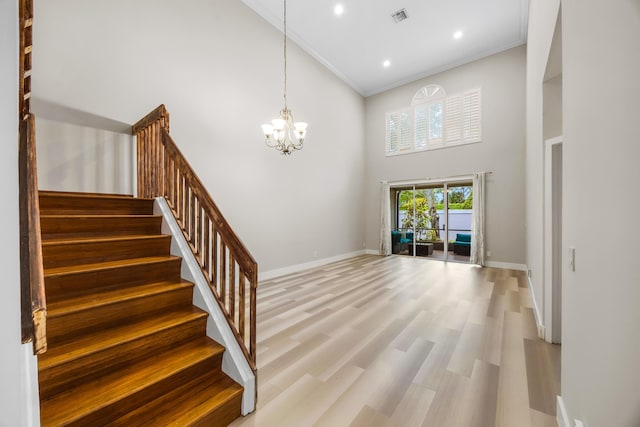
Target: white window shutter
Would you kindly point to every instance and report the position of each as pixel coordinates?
(421, 126)
(399, 132)
(472, 127)
(393, 134)
(442, 122)
(405, 131)
(453, 120)
(435, 122)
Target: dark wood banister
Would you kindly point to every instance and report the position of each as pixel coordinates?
(163, 171)
(32, 292)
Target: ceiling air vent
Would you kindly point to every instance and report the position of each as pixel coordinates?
(400, 16)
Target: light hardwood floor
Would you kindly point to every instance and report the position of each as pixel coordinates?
(398, 341)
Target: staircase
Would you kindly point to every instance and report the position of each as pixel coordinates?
(126, 347)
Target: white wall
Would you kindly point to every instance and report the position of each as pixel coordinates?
(600, 374)
(84, 159)
(14, 360)
(601, 344)
(502, 79)
(542, 22)
(217, 67)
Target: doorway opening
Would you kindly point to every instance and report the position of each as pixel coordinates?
(433, 220)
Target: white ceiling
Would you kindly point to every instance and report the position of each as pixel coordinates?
(355, 44)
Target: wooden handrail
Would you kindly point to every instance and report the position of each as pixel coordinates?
(228, 266)
(33, 303)
(32, 293)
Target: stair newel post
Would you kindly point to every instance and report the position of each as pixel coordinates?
(34, 306)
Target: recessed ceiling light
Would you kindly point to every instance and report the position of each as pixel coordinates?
(457, 35)
(338, 10)
(386, 63)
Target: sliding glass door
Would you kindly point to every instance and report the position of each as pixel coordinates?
(425, 223)
(459, 220)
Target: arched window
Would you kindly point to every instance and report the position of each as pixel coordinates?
(428, 93)
(434, 120)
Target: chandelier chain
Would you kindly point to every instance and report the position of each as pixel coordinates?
(285, 54)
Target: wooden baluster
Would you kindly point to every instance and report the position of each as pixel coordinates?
(192, 219)
(252, 314)
(206, 261)
(159, 163)
(183, 200)
(223, 274)
(241, 305)
(165, 171)
(177, 206)
(154, 161)
(148, 157)
(139, 168)
(214, 259)
(232, 287)
(169, 179)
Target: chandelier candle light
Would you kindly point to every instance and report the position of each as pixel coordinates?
(283, 134)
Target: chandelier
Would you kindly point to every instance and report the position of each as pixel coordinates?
(283, 134)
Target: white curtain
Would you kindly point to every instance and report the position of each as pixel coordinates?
(477, 240)
(385, 217)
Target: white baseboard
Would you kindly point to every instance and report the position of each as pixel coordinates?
(536, 311)
(271, 274)
(31, 403)
(372, 252)
(506, 265)
(561, 414)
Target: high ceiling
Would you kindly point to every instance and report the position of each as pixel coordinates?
(355, 44)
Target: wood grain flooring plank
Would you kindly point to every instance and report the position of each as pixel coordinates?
(316, 362)
(376, 346)
(368, 417)
(540, 419)
(412, 409)
(322, 397)
(491, 346)
(445, 409)
(483, 395)
(402, 368)
(539, 357)
(413, 331)
(274, 413)
(529, 325)
(434, 368)
(467, 350)
(513, 301)
(277, 366)
(513, 394)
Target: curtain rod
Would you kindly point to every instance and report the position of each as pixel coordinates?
(436, 179)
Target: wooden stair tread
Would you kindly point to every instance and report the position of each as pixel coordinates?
(87, 302)
(94, 216)
(72, 194)
(96, 267)
(106, 338)
(187, 404)
(91, 396)
(70, 240)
